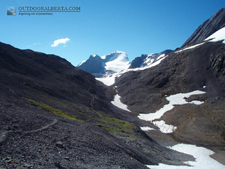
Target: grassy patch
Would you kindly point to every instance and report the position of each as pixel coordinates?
(54, 110)
(110, 129)
(118, 121)
(120, 124)
(117, 127)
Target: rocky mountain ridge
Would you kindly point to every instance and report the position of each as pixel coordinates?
(100, 66)
(210, 26)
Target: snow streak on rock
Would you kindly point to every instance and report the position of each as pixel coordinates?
(146, 128)
(190, 47)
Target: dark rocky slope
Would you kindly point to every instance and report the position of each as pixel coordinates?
(182, 72)
(53, 115)
(210, 26)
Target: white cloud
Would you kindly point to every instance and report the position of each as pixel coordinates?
(60, 41)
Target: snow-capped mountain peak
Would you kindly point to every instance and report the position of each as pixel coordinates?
(117, 61)
(105, 65)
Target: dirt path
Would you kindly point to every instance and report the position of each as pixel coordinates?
(92, 96)
(42, 128)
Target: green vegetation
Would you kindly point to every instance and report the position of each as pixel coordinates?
(110, 129)
(117, 127)
(113, 125)
(54, 110)
(122, 126)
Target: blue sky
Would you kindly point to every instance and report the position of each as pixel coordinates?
(103, 26)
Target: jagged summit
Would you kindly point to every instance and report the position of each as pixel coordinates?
(210, 26)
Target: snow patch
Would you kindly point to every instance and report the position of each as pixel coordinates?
(157, 115)
(164, 128)
(118, 103)
(201, 155)
(177, 99)
(217, 36)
